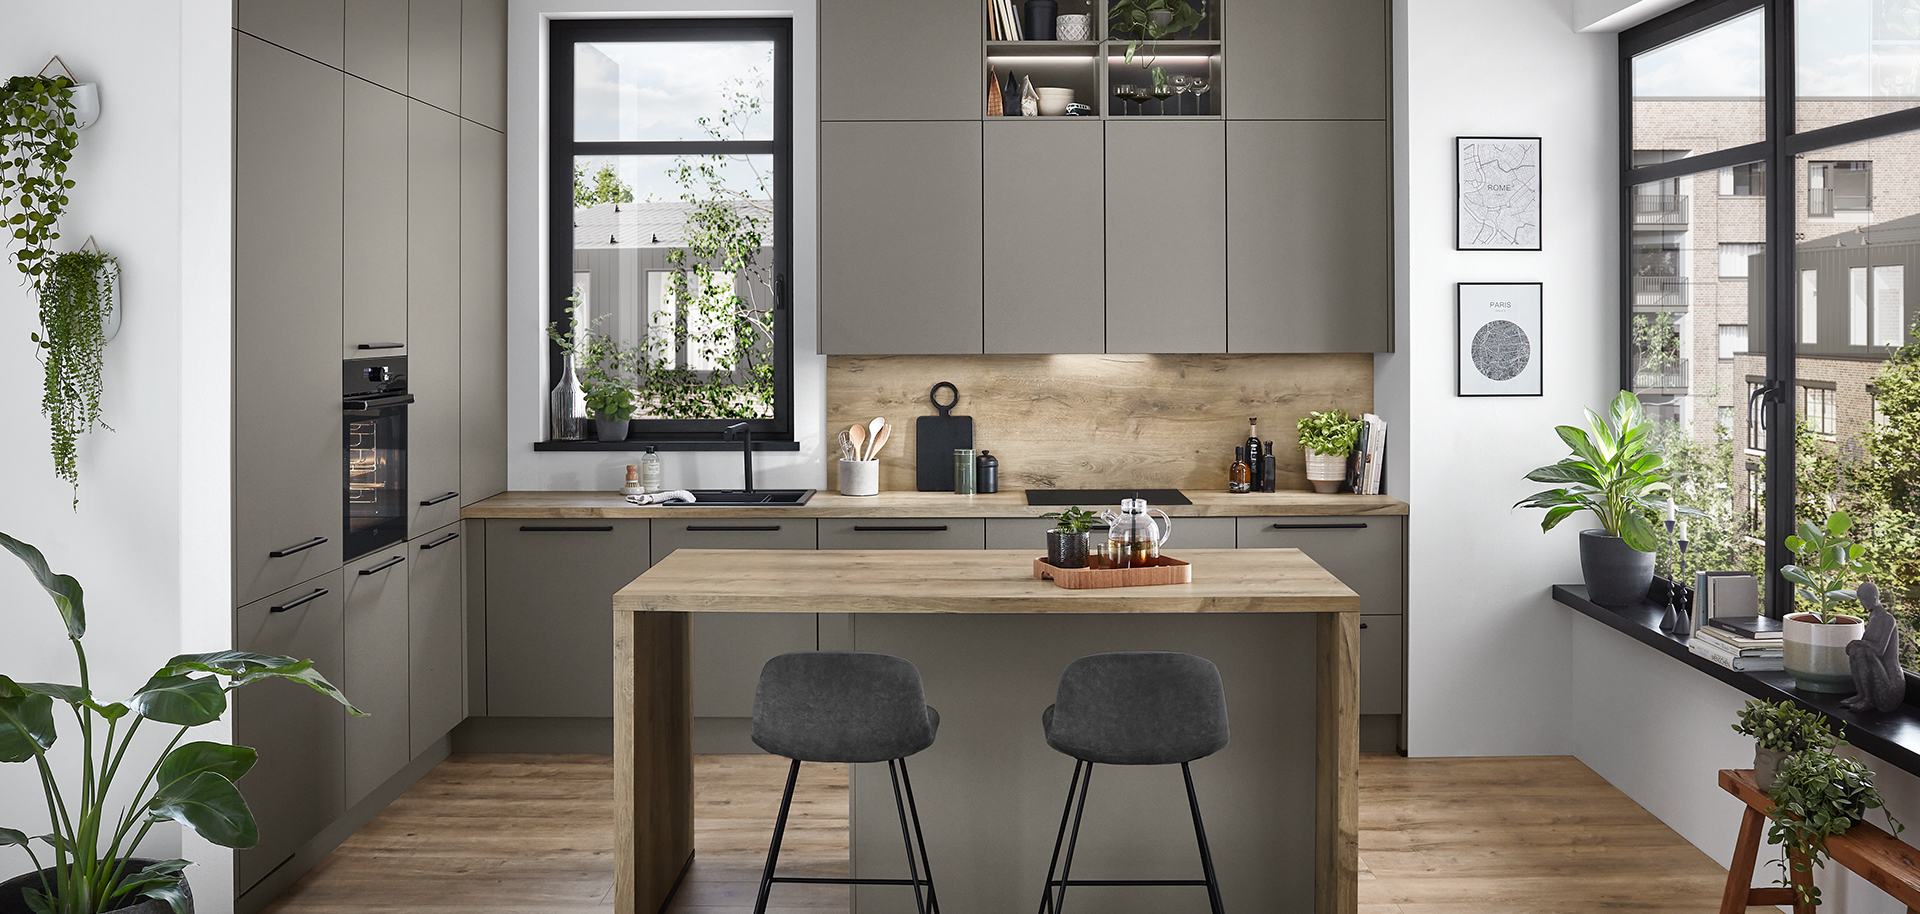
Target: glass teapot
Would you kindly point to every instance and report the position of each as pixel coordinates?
(1132, 536)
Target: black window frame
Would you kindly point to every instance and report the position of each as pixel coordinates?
(562, 148)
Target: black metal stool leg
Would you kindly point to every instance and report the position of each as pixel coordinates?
(779, 830)
(1073, 840)
(913, 868)
(1059, 838)
(1200, 832)
(926, 864)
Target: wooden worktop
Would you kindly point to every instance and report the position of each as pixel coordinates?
(948, 581)
(1007, 503)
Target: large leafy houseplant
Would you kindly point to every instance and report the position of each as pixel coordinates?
(1826, 564)
(1613, 472)
(191, 783)
(1817, 795)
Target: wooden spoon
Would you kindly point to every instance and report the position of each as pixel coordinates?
(880, 441)
(858, 433)
(873, 433)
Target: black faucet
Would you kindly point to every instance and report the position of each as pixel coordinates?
(746, 450)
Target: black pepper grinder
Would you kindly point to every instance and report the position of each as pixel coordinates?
(987, 473)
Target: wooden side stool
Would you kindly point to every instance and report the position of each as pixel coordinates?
(1880, 858)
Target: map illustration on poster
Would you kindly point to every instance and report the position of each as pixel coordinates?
(1498, 189)
(1499, 339)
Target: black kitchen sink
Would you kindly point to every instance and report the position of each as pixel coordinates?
(739, 498)
(1154, 497)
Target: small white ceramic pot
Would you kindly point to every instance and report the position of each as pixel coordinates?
(1074, 27)
(859, 477)
(1766, 765)
(1327, 472)
(1815, 654)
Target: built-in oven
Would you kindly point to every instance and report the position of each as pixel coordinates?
(374, 408)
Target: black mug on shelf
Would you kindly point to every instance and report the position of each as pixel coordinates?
(1040, 15)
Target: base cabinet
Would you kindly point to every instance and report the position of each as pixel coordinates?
(375, 676)
(730, 648)
(436, 638)
(550, 588)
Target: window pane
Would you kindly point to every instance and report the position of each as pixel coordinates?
(1847, 457)
(1856, 58)
(634, 91)
(673, 259)
(1703, 92)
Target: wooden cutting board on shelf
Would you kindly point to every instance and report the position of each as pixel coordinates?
(935, 440)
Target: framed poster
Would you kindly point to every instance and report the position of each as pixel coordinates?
(1497, 191)
(1499, 339)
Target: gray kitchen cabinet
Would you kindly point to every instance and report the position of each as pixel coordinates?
(1380, 664)
(1309, 236)
(729, 649)
(288, 140)
(900, 243)
(483, 62)
(298, 785)
(436, 637)
(903, 533)
(433, 317)
(375, 675)
(900, 60)
(376, 42)
(1045, 253)
(1367, 553)
(473, 549)
(483, 313)
(1188, 533)
(314, 28)
(1307, 59)
(375, 237)
(433, 52)
(1166, 235)
(549, 600)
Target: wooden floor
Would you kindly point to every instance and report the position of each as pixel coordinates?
(533, 834)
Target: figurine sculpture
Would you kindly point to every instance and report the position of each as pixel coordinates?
(1875, 659)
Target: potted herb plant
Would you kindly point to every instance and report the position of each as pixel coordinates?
(1814, 647)
(1780, 730)
(1067, 541)
(1616, 474)
(93, 869)
(608, 370)
(612, 405)
(1818, 794)
(1327, 438)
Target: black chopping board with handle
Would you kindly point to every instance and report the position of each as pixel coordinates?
(935, 440)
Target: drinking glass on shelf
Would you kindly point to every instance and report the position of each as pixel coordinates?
(1199, 87)
(1179, 83)
(1161, 92)
(1122, 93)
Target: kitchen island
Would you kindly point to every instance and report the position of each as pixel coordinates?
(990, 639)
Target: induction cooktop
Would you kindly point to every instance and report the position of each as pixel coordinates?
(1154, 497)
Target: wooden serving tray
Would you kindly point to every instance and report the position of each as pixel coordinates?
(1163, 570)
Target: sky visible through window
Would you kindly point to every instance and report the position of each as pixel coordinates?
(645, 91)
(1839, 44)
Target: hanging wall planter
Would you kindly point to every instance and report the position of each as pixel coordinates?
(76, 302)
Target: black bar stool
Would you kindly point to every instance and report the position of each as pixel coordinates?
(846, 706)
(1133, 708)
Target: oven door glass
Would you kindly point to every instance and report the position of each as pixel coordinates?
(376, 478)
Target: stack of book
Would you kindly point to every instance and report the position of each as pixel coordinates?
(1744, 643)
(1366, 468)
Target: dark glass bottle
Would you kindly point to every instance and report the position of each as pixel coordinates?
(1269, 471)
(1239, 475)
(1255, 453)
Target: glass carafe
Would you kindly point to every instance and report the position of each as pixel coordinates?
(1132, 536)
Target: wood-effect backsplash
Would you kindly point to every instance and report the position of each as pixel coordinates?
(1092, 421)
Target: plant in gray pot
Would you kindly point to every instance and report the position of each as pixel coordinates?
(609, 370)
(612, 406)
(1779, 731)
(1067, 541)
(93, 870)
(1814, 643)
(1616, 474)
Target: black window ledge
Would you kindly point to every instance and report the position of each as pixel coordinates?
(641, 444)
(1893, 737)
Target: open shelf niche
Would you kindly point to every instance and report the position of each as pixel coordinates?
(1093, 68)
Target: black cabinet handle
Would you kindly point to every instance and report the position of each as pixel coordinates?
(441, 541)
(309, 544)
(606, 529)
(384, 565)
(1363, 626)
(925, 528)
(694, 528)
(383, 345)
(434, 501)
(317, 594)
(1319, 526)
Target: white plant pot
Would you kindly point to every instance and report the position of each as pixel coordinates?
(1816, 654)
(1327, 472)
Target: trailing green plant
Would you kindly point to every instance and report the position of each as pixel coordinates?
(76, 300)
(1785, 727)
(37, 139)
(1135, 18)
(608, 369)
(1827, 564)
(191, 784)
(1615, 473)
(1072, 520)
(1332, 433)
(1817, 795)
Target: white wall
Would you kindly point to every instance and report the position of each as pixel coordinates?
(527, 383)
(1488, 649)
(149, 540)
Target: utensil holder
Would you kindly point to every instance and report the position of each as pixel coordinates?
(859, 477)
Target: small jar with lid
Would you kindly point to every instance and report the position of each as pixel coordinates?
(987, 473)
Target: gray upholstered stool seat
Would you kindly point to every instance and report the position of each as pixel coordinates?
(847, 706)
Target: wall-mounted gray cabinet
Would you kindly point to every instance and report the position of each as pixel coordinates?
(433, 52)
(374, 304)
(483, 313)
(375, 671)
(288, 186)
(433, 317)
(1166, 213)
(1045, 252)
(376, 42)
(900, 237)
(1308, 59)
(729, 649)
(314, 28)
(1309, 236)
(436, 637)
(550, 588)
(483, 62)
(899, 60)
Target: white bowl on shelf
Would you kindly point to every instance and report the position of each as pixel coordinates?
(1054, 100)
